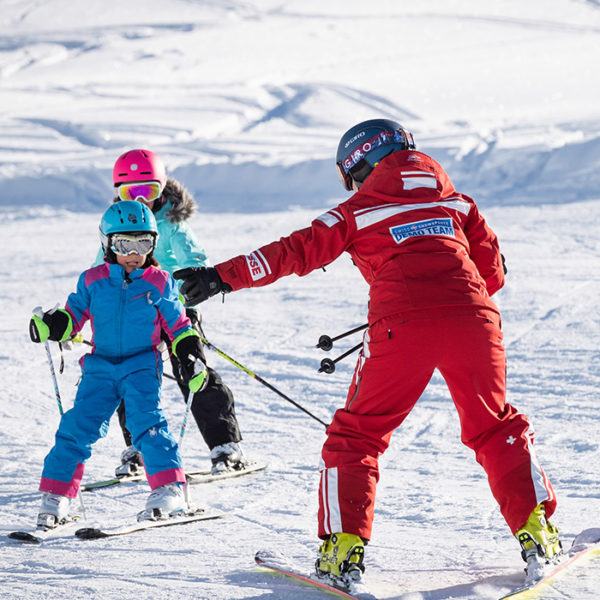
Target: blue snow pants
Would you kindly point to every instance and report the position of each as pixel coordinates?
(105, 381)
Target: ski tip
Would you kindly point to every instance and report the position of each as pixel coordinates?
(24, 536)
(90, 533)
(267, 556)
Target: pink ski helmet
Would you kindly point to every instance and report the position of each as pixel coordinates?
(139, 165)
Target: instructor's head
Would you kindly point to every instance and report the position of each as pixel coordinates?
(364, 145)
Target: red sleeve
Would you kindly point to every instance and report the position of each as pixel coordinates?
(484, 250)
(301, 252)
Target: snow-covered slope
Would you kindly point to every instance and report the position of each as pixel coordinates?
(246, 101)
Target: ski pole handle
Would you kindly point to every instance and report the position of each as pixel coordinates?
(326, 342)
(328, 365)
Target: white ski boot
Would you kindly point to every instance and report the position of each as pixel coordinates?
(54, 510)
(227, 457)
(131, 463)
(164, 502)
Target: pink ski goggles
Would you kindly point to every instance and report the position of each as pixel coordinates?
(146, 191)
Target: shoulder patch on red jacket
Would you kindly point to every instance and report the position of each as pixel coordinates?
(331, 217)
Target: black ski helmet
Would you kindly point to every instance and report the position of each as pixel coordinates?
(365, 144)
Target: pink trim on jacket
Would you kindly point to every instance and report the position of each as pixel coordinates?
(156, 277)
(95, 273)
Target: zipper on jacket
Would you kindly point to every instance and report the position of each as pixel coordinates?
(126, 282)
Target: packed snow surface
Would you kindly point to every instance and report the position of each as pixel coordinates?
(245, 101)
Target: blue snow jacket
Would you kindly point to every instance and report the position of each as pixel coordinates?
(127, 312)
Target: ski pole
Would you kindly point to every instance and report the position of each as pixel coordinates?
(38, 312)
(188, 404)
(328, 365)
(259, 379)
(326, 342)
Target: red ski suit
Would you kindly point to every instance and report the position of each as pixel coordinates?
(432, 264)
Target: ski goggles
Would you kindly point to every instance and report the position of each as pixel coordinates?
(359, 153)
(125, 244)
(146, 191)
(380, 139)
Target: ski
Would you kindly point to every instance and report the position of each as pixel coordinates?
(585, 545)
(272, 563)
(93, 533)
(40, 534)
(193, 477)
(196, 477)
(96, 485)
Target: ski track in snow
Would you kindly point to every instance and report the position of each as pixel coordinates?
(245, 101)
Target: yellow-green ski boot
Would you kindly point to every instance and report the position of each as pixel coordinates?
(539, 541)
(341, 559)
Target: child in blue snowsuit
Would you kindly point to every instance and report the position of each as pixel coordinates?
(128, 301)
(140, 175)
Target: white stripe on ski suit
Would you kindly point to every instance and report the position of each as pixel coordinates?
(264, 260)
(538, 477)
(377, 214)
(332, 518)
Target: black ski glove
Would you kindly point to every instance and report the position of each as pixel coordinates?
(55, 325)
(188, 350)
(200, 284)
(504, 264)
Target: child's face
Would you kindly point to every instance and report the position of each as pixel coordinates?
(131, 262)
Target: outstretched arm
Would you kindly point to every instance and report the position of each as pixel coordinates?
(299, 253)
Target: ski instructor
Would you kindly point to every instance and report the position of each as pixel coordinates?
(432, 264)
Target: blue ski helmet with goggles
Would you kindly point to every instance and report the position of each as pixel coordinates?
(365, 144)
(127, 227)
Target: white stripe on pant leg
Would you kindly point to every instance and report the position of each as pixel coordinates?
(333, 522)
(542, 492)
(324, 501)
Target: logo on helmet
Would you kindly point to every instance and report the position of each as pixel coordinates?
(132, 218)
(134, 167)
(358, 135)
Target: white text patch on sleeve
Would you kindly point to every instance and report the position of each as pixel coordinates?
(255, 267)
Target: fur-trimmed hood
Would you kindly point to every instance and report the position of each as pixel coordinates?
(181, 202)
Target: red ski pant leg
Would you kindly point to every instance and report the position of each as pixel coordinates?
(473, 363)
(394, 367)
(390, 376)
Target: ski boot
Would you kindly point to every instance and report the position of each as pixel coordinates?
(164, 502)
(539, 542)
(54, 511)
(131, 463)
(227, 457)
(340, 560)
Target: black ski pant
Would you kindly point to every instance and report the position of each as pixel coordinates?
(213, 408)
